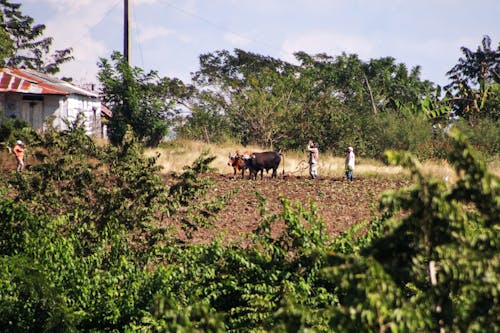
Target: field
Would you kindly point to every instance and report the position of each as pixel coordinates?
(236, 202)
(339, 203)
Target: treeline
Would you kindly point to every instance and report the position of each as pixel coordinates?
(85, 245)
(337, 101)
(247, 98)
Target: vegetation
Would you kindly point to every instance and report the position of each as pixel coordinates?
(88, 243)
(138, 101)
(341, 101)
(22, 44)
(81, 250)
(475, 82)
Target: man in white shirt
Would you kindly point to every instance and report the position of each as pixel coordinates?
(349, 164)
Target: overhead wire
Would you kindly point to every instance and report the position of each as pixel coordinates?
(97, 23)
(220, 27)
(137, 40)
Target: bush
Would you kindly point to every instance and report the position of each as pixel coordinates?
(484, 135)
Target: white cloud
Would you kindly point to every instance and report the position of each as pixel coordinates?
(143, 2)
(330, 43)
(236, 39)
(152, 32)
(72, 25)
(82, 7)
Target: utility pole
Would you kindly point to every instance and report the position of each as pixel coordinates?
(126, 30)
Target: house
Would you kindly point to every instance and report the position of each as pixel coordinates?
(38, 98)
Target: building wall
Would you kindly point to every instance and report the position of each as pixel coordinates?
(36, 109)
(90, 108)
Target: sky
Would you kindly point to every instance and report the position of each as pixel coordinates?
(168, 36)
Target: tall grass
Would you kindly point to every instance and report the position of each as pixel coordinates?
(176, 154)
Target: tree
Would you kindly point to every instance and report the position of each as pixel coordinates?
(472, 78)
(138, 100)
(6, 46)
(250, 89)
(436, 267)
(30, 49)
(328, 99)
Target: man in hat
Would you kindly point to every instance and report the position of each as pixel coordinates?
(19, 153)
(349, 164)
(313, 150)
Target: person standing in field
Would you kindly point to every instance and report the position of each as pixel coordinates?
(313, 150)
(19, 153)
(349, 164)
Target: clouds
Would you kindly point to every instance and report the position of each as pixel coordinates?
(146, 33)
(332, 43)
(76, 25)
(237, 40)
(169, 35)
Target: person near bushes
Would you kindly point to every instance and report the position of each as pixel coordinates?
(349, 164)
(313, 150)
(19, 153)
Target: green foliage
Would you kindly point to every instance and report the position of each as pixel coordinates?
(139, 100)
(100, 187)
(191, 183)
(15, 129)
(28, 47)
(6, 46)
(275, 104)
(337, 101)
(79, 251)
(392, 284)
(203, 124)
(473, 80)
(484, 136)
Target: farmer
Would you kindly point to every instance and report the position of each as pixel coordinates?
(313, 150)
(349, 164)
(19, 153)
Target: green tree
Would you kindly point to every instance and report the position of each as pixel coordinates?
(332, 100)
(437, 267)
(473, 80)
(139, 100)
(261, 110)
(248, 88)
(6, 46)
(27, 46)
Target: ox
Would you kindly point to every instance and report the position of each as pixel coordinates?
(262, 161)
(237, 162)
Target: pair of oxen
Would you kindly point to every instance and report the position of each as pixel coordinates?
(254, 162)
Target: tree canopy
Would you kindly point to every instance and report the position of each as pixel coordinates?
(475, 81)
(139, 101)
(23, 42)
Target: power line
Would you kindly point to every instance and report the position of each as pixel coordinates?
(220, 27)
(96, 24)
(137, 35)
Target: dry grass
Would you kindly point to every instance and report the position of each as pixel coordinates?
(176, 154)
(180, 153)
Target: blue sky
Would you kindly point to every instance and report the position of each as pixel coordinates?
(169, 35)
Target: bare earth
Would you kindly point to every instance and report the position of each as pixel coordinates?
(340, 203)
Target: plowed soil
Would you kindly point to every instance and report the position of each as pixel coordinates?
(339, 203)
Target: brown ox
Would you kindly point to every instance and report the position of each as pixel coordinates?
(237, 162)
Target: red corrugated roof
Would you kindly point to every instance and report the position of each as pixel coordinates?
(32, 82)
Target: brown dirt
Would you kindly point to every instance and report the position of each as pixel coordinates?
(340, 203)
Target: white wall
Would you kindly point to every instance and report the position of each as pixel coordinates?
(58, 107)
